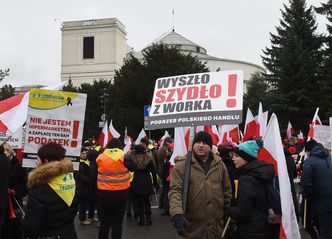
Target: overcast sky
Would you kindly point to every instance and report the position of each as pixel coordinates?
(30, 37)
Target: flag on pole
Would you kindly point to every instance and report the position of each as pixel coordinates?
(180, 142)
(112, 133)
(103, 136)
(141, 135)
(290, 130)
(315, 120)
(261, 122)
(127, 141)
(14, 110)
(161, 141)
(250, 127)
(273, 153)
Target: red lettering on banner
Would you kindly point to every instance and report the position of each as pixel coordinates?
(42, 140)
(232, 80)
(215, 91)
(192, 93)
(75, 134)
(160, 98)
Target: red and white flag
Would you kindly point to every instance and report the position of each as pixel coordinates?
(290, 130)
(181, 140)
(315, 120)
(161, 141)
(300, 135)
(261, 122)
(14, 110)
(141, 135)
(127, 141)
(230, 133)
(250, 128)
(103, 136)
(112, 133)
(273, 153)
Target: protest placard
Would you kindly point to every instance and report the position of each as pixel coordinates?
(15, 141)
(54, 116)
(197, 99)
(322, 134)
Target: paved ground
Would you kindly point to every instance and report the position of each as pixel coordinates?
(161, 228)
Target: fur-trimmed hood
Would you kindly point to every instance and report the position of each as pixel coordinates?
(48, 171)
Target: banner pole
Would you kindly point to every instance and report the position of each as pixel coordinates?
(187, 170)
(305, 214)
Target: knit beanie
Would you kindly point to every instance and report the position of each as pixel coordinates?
(202, 136)
(310, 144)
(249, 149)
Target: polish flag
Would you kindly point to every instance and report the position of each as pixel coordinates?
(250, 127)
(127, 141)
(181, 140)
(315, 120)
(290, 130)
(273, 153)
(141, 135)
(103, 136)
(230, 133)
(14, 110)
(261, 122)
(215, 137)
(161, 141)
(112, 133)
(300, 135)
(215, 131)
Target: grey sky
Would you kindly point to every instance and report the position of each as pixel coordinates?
(30, 40)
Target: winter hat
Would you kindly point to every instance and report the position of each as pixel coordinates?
(114, 143)
(249, 149)
(310, 144)
(202, 136)
(225, 148)
(139, 149)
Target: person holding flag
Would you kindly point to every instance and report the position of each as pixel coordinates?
(250, 211)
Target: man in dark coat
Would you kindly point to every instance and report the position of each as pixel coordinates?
(317, 178)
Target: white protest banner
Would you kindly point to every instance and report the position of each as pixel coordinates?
(54, 116)
(322, 134)
(15, 141)
(197, 99)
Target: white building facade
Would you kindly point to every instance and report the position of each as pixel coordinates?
(94, 49)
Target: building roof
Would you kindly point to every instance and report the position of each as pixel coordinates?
(175, 39)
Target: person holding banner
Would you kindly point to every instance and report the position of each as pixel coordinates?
(52, 204)
(250, 211)
(317, 178)
(209, 193)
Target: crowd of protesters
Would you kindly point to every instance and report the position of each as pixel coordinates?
(226, 186)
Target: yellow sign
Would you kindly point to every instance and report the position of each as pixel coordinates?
(50, 99)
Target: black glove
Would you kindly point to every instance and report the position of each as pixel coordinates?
(180, 223)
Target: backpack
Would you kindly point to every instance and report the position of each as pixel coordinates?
(274, 201)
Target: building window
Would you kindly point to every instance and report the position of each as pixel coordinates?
(88, 47)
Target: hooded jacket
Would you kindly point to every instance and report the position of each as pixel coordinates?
(317, 178)
(47, 213)
(251, 209)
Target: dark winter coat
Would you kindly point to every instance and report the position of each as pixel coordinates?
(47, 214)
(209, 196)
(4, 183)
(83, 180)
(251, 209)
(317, 178)
(145, 174)
(18, 180)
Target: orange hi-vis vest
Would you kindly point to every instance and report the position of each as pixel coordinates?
(112, 174)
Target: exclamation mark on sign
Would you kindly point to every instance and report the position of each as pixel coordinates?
(76, 124)
(232, 79)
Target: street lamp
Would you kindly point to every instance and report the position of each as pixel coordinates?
(103, 101)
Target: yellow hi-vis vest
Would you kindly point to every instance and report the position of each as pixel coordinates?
(112, 174)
